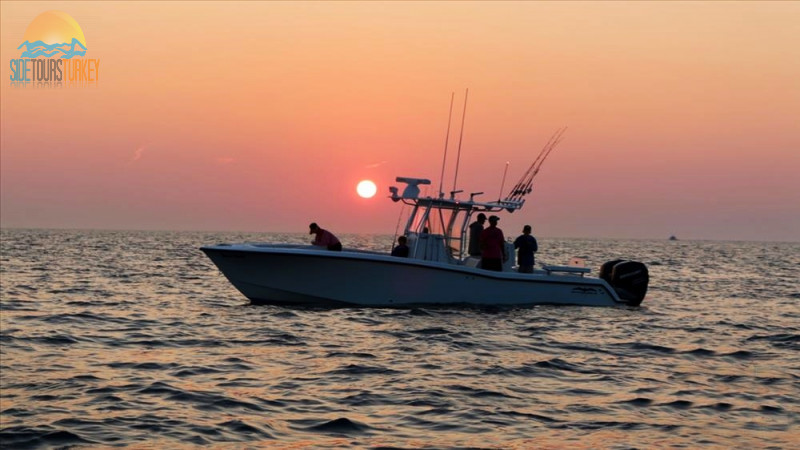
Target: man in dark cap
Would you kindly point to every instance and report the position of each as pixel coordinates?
(475, 230)
(493, 246)
(324, 238)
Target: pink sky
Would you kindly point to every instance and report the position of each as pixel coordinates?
(684, 118)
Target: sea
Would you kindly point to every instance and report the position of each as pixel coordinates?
(135, 339)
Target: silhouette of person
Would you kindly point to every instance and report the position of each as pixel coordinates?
(527, 246)
(324, 238)
(475, 230)
(493, 248)
(401, 249)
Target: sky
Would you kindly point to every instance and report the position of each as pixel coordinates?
(683, 117)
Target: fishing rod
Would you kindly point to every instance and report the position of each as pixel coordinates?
(520, 187)
(525, 185)
(552, 143)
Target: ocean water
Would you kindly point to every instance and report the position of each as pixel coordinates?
(135, 339)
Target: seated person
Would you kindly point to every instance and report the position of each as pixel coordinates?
(401, 249)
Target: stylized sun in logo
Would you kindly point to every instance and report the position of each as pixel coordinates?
(54, 34)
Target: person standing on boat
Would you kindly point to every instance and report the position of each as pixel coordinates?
(324, 238)
(475, 230)
(401, 250)
(527, 246)
(493, 246)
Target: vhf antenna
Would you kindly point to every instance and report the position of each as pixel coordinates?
(500, 195)
(446, 140)
(461, 137)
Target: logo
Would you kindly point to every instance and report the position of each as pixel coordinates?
(53, 54)
(585, 291)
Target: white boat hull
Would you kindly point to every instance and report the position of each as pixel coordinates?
(310, 275)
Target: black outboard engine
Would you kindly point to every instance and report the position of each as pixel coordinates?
(628, 278)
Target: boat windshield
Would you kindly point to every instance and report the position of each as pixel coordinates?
(445, 219)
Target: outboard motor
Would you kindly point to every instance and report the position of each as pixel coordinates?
(628, 278)
(605, 269)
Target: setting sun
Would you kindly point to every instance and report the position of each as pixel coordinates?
(366, 189)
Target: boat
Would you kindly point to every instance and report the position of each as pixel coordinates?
(437, 272)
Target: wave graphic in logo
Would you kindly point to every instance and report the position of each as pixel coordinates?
(53, 54)
(39, 48)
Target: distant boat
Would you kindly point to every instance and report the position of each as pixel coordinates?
(673, 238)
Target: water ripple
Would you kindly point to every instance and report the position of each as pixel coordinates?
(135, 339)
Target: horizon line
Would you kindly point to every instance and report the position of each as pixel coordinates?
(161, 230)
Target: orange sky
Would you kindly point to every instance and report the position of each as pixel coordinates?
(684, 118)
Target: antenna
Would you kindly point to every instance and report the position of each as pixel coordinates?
(461, 137)
(446, 139)
(500, 194)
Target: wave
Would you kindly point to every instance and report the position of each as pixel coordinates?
(39, 48)
(121, 360)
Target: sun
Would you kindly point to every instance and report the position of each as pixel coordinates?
(366, 189)
(54, 27)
